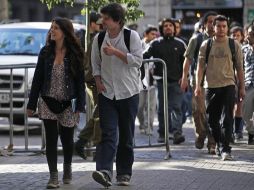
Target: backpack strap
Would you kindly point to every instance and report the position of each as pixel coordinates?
(127, 36)
(101, 37)
(207, 52)
(232, 49)
(199, 42)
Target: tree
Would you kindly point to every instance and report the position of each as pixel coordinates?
(132, 10)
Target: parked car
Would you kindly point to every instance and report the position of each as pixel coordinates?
(20, 43)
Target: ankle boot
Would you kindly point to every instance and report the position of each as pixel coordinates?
(67, 174)
(53, 181)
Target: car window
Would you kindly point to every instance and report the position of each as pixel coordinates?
(22, 41)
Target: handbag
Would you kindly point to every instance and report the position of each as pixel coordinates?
(55, 105)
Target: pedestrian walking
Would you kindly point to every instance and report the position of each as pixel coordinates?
(91, 132)
(237, 33)
(146, 127)
(171, 50)
(216, 70)
(248, 107)
(190, 66)
(116, 59)
(58, 87)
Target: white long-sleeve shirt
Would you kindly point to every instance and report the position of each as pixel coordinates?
(121, 80)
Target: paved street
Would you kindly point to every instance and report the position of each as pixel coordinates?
(188, 169)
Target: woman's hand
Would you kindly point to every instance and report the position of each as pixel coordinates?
(30, 113)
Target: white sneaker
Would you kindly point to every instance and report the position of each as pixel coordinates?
(226, 156)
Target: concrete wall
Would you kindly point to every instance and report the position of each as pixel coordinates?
(155, 10)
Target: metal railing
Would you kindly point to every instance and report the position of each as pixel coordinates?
(165, 98)
(11, 113)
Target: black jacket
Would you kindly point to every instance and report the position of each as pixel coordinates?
(171, 50)
(74, 86)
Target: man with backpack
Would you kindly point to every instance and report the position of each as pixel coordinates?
(216, 71)
(171, 50)
(116, 71)
(198, 103)
(90, 132)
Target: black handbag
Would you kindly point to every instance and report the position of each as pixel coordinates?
(56, 106)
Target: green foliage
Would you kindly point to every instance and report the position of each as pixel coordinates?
(132, 10)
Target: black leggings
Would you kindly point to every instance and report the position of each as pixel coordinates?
(53, 129)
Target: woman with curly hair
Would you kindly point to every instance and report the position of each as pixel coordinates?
(58, 87)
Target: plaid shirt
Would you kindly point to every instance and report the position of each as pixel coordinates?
(248, 55)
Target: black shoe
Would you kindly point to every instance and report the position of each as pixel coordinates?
(79, 148)
(199, 143)
(123, 180)
(178, 138)
(217, 150)
(251, 139)
(102, 178)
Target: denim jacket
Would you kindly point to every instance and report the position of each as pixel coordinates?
(74, 87)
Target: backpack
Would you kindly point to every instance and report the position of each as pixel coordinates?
(200, 38)
(208, 49)
(127, 35)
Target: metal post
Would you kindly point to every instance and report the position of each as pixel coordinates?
(25, 114)
(11, 108)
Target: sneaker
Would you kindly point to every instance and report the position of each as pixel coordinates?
(199, 143)
(79, 148)
(239, 136)
(53, 182)
(251, 139)
(102, 178)
(67, 173)
(123, 180)
(178, 138)
(212, 150)
(217, 151)
(226, 156)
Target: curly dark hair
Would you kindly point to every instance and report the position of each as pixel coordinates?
(74, 50)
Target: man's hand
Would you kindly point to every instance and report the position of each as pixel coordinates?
(184, 83)
(109, 49)
(241, 93)
(197, 91)
(100, 87)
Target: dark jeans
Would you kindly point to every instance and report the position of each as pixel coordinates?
(219, 107)
(175, 97)
(117, 119)
(53, 129)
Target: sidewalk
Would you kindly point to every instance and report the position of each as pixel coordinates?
(188, 169)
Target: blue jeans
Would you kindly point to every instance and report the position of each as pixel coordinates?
(175, 96)
(117, 119)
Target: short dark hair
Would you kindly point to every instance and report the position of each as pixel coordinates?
(220, 18)
(94, 17)
(115, 11)
(150, 29)
(236, 29)
(161, 24)
(205, 17)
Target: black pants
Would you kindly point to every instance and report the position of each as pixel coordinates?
(219, 107)
(53, 129)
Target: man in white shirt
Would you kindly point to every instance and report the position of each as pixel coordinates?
(117, 76)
